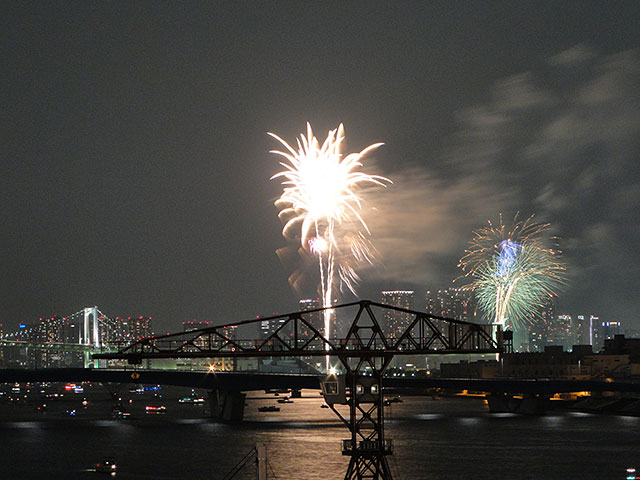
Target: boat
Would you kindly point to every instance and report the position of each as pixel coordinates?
(389, 401)
(106, 465)
(153, 410)
(269, 408)
(117, 413)
(191, 400)
(285, 400)
(324, 405)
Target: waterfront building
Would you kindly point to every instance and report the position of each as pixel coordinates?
(619, 360)
(552, 362)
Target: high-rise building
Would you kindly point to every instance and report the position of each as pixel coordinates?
(548, 309)
(269, 326)
(603, 330)
(140, 327)
(451, 303)
(559, 331)
(541, 327)
(396, 322)
(611, 329)
(457, 303)
(70, 331)
(49, 330)
(581, 330)
(596, 335)
(316, 319)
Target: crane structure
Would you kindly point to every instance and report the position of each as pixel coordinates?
(364, 352)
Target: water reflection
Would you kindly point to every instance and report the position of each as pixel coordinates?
(25, 425)
(554, 421)
(429, 416)
(504, 415)
(469, 420)
(305, 442)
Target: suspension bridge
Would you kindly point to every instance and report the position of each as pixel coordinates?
(84, 332)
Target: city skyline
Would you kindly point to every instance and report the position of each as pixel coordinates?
(452, 302)
(136, 165)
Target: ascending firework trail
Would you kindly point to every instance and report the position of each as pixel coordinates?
(322, 207)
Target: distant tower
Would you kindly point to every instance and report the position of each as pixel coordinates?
(90, 333)
(396, 322)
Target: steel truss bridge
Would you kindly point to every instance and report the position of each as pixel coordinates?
(364, 354)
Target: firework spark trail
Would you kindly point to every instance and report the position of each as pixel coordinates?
(320, 205)
(512, 271)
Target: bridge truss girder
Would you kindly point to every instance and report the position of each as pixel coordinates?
(296, 336)
(365, 353)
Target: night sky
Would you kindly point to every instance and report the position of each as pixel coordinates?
(135, 164)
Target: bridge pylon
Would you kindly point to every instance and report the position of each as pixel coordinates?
(367, 448)
(361, 390)
(90, 334)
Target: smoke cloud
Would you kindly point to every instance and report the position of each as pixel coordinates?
(561, 141)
